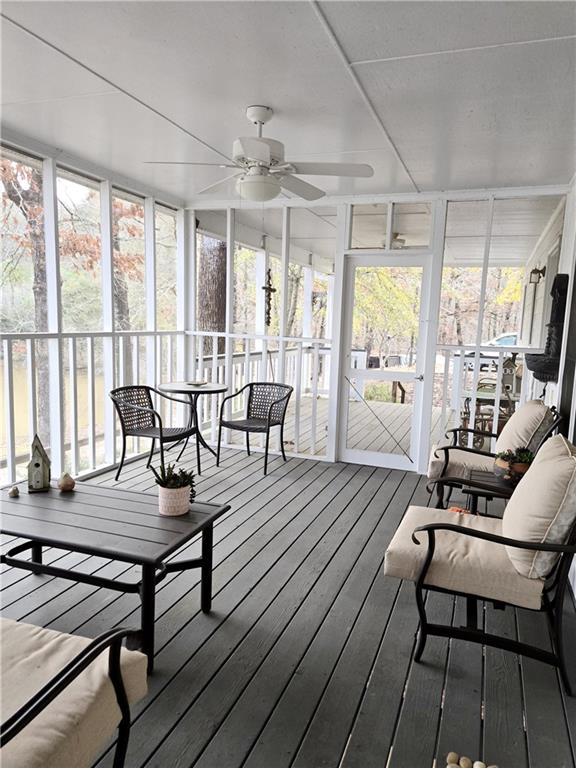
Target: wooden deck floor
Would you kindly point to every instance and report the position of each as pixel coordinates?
(373, 426)
(306, 658)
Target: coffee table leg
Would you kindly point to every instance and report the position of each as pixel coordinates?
(206, 587)
(147, 596)
(36, 553)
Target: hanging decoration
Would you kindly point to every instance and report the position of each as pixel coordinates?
(269, 291)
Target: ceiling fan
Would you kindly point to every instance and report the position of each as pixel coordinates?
(262, 171)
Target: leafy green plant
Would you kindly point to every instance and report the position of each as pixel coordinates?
(169, 477)
(519, 456)
(508, 456)
(524, 456)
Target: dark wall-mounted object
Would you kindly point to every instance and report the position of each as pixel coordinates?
(545, 367)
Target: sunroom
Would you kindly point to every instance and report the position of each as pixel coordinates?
(313, 262)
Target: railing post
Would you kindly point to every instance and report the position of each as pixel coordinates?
(9, 409)
(73, 395)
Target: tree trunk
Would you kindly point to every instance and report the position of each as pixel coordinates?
(295, 277)
(29, 201)
(211, 297)
(40, 290)
(122, 322)
(458, 321)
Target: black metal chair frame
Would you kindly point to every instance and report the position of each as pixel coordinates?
(552, 599)
(440, 483)
(153, 417)
(112, 639)
(266, 423)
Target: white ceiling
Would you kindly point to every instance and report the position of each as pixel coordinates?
(441, 95)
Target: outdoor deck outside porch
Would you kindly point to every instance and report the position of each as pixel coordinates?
(306, 659)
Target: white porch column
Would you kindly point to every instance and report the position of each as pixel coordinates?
(284, 292)
(54, 300)
(229, 345)
(108, 355)
(336, 330)
(153, 365)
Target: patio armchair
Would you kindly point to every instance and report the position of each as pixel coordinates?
(522, 560)
(266, 406)
(64, 697)
(451, 466)
(138, 418)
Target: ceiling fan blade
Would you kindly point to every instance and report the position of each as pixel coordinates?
(359, 170)
(183, 162)
(299, 187)
(217, 183)
(253, 149)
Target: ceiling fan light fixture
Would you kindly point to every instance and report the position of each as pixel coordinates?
(258, 187)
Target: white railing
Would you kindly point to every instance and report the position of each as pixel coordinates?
(57, 386)
(478, 388)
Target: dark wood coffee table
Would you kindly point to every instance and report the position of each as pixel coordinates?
(485, 485)
(117, 524)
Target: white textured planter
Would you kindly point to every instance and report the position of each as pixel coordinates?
(173, 501)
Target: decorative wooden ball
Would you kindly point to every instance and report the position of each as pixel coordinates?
(479, 764)
(452, 758)
(465, 762)
(14, 492)
(66, 482)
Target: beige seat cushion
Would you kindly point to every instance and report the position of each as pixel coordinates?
(73, 729)
(460, 563)
(460, 463)
(526, 427)
(543, 506)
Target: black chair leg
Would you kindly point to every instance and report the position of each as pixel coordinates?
(218, 447)
(198, 454)
(266, 452)
(121, 458)
(122, 743)
(439, 496)
(182, 449)
(161, 453)
(423, 633)
(248, 443)
(558, 642)
(282, 442)
(151, 453)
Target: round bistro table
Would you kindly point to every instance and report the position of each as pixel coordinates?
(193, 391)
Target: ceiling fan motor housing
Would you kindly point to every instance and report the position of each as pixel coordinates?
(276, 150)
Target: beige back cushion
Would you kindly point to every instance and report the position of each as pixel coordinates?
(526, 427)
(543, 507)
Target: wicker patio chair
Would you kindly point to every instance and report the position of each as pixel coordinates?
(266, 407)
(138, 418)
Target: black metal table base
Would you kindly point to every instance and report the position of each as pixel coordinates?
(152, 574)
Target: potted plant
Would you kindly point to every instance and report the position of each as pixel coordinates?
(175, 489)
(513, 465)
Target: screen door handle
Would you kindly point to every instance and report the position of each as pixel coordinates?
(419, 378)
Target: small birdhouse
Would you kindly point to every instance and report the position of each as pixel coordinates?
(38, 468)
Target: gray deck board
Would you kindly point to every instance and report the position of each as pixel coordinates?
(305, 660)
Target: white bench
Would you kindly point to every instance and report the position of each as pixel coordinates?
(63, 696)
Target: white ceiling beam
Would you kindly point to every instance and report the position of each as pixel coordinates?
(360, 88)
(361, 62)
